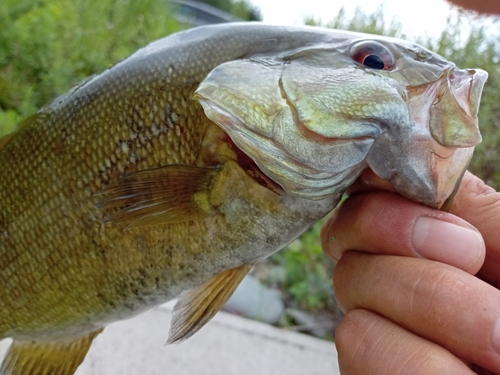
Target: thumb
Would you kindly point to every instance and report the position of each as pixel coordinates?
(479, 204)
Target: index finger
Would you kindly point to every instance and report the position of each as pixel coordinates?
(385, 223)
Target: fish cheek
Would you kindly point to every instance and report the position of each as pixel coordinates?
(243, 94)
(345, 103)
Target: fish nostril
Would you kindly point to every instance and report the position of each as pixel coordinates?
(455, 76)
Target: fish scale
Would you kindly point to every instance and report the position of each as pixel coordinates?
(173, 172)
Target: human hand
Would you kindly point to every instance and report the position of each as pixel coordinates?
(412, 302)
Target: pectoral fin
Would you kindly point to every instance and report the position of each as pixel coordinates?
(28, 357)
(198, 305)
(170, 194)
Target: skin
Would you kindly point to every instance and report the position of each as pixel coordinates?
(419, 299)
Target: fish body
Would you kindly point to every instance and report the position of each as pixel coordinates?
(172, 173)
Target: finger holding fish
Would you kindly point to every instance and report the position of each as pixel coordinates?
(369, 221)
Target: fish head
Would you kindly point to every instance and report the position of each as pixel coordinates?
(315, 116)
(426, 161)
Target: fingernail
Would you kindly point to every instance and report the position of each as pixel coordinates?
(446, 242)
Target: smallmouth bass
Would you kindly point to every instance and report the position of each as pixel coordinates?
(172, 173)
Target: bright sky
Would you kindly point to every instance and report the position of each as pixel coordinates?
(418, 17)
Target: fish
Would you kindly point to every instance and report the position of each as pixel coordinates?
(172, 173)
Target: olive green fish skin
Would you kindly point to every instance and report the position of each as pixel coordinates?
(66, 271)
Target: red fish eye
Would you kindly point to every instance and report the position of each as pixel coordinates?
(372, 55)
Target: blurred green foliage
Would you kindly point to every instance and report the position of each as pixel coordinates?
(48, 46)
(370, 23)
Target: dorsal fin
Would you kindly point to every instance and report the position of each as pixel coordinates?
(30, 357)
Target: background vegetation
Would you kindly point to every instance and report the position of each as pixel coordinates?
(48, 46)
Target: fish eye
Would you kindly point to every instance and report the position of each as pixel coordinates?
(372, 55)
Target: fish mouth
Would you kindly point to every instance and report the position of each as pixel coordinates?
(421, 170)
(429, 165)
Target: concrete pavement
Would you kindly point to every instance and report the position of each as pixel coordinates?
(228, 345)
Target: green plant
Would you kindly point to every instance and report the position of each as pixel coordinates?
(46, 47)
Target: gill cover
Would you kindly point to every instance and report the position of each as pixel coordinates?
(314, 118)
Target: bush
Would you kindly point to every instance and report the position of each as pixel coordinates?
(46, 47)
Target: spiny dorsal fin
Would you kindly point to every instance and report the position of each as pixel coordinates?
(197, 306)
(29, 357)
(170, 194)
